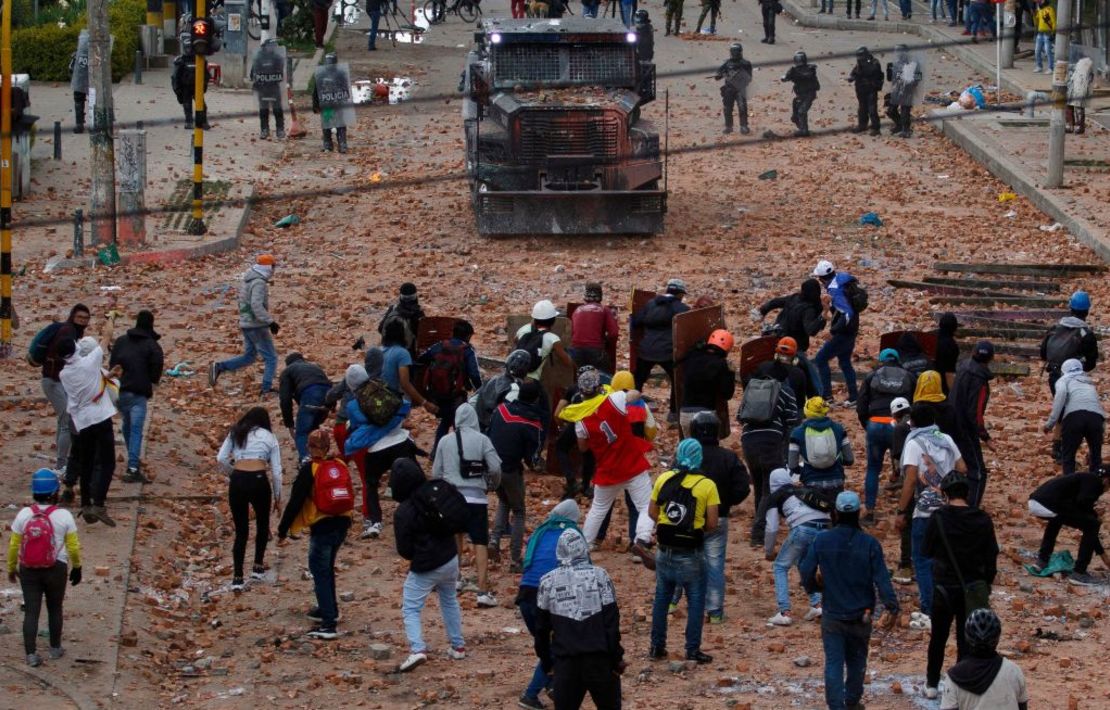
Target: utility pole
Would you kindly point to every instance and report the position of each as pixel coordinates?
(102, 205)
(1055, 176)
(6, 174)
(200, 118)
(1009, 33)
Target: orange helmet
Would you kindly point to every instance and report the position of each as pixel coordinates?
(722, 339)
(787, 346)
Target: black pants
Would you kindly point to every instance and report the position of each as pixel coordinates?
(249, 489)
(592, 673)
(79, 107)
(905, 552)
(948, 605)
(39, 583)
(378, 464)
(735, 98)
(849, 8)
(971, 451)
(800, 113)
(763, 453)
(92, 462)
(902, 116)
(340, 137)
(264, 116)
(643, 371)
(1086, 523)
(711, 9)
(867, 113)
(565, 445)
(1078, 427)
(768, 20)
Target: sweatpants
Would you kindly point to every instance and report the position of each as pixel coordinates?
(249, 489)
(1076, 428)
(948, 606)
(591, 673)
(38, 583)
(92, 462)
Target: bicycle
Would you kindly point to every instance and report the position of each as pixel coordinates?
(254, 19)
(436, 10)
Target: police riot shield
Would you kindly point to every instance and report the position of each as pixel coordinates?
(738, 78)
(268, 74)
(333, 87)
(907, 78)
(79, 68)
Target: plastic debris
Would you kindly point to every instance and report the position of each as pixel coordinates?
(287, 221)
(1059, 562)
(769, 175)
(108, 255)
(871, 218)
(1006, 197)
(1011, 214)
(180, 370)
(1050, 227)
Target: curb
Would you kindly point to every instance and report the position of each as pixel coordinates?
(82, 701)
(988, 153)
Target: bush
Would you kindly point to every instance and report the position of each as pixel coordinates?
(297, 29)
(44, 51)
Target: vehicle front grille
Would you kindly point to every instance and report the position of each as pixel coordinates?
(526, 63)
(551, 134)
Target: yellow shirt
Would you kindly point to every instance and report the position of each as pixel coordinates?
(703, 489)
(1045, 19)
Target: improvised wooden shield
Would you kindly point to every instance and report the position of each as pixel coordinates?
(640, 298)
(555, 378)
(926, 339)
(689, 329)
(754, 353)
(429, 331)
(610, 350)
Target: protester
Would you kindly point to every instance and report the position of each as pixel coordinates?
(320, 10)
(469, 461)
(450, 371)
(684, 504)
(1072, 337)
(92, 458)
(900, 410)
(518, 438)
(72, 329)
(307, 384)
(820, 449)
(960, 542)
(782, 368)
(501, 388)
(708, 380)
(433, 563)
(1080, 416)
(140, 358)
(256, 323)
(767, 414)
(1044, 22)
(594, 331)
(970, 394)
(540, 341)
(847, 566)
(841, 290)
(407, 310)
(1069, 500)
(887, 381)
(983, 680)
(800, 314)
(539, 559)
(42, 545)
(575, 405)
(657, 345)
(807, 513)
(321, 481)
(930, 392)
(248, 450)
(910, 355)
(948, 350)
(397, 365)
(578, 628)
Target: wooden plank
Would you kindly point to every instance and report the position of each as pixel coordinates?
(1031, 301)
(995, 283)
(754, 353)
(946, 290)
(1049, 270)
(1004, 333)
(1009, 369)
(983, 321)
(689, 329)
(1007, 348)
(1040, 315)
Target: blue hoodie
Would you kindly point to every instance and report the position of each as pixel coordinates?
(798, 455)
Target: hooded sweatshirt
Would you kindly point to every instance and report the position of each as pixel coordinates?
(708, 378)
(878, 390)
(1075, 392)
(141, 358)
(783, 503)
(930, 391)
(576, 604)
(540, 554)
(53, 363)
(948, 350)
(476, 447)
(254, 297)
(88, 402)
(975, 675)
(970, 394)
(418, 542)
(655, 318)
(1087, 352)
(517, 433)
(299, 374)
(970, 534)
(800, 317)
(911, 355)
(724, 468)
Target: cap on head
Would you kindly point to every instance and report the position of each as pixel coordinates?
(899, 405)
(984, 351)
(266, 260)
(1080, 301)
(847, 502)
(44, 482)
(721, 339)
(676, 286)
(593, 292)
(824, 269)
(889, 355)
(800, 58)
(544, 310)
(623, 381)
(786, 346)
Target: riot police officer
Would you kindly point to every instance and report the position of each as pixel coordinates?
(804, 77)
(711, 8)
(331, 98)
(867, 75)
(267, 76)
(183, 78)
(645, 36)
(672, 11)
(79, 79)
(737, 75)
(905, 74)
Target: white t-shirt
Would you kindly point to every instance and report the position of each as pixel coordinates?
(933, 457)
(63, 523)
(549, 340)
(1007, 690)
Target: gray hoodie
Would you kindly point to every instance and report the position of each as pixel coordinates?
(476, 447)
(1075, 392)
(254, 299)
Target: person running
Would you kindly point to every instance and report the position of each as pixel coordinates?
(970, 394)
(248, 450)
(397, 365)
(433, 563)
(900, 410)
(92, 458)
(954, 527)
(469, 461)
(657, 345)
(139, 356)
(820, 449)
(782, 367)
(594, 331)
(983, 680)
(43, 544)
(540, 341)
(800, 314)
(807, 514)
(539, 559)
(1079, 414)
(1069, 501)
(518, 438)
(708, 379)
(408, 312)
(887, 381)
(451, 371)
(578, 628)
(307, 384)
(257, 325)
(839, 289)
(684, 504)
(500, 388)
(72, 329)
(328, 528)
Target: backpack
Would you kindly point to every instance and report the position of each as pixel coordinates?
(532, 343)
(893, 381)
(378, 403)
(821, 448)
(856, 295)
(679, 507)
(36, 550)
(332, 492)
(442, 506)
(445, 376)
(760, 401)
(1063, 343)
(36, 351)
(814, 498)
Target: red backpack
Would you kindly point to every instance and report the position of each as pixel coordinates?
(445, 377)
(332, 492)
(37, 547)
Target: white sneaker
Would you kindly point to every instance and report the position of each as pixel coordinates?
(487, 600)
(374, 531)
(813, 613)
(918, 616)
(922, 624)
(414, 660)
(931, 692)
(780, 619)
(456, 654)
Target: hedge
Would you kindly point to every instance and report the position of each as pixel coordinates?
(44, 52)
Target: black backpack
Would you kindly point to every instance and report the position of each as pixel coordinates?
(679, 507)
(532, 343)
(856, 294)
(760, 402)
(442, 506)
(815, 498)
(892, 381)
(1063, 343)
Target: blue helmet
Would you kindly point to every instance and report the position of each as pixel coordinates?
(44, 482)
(1080, 301)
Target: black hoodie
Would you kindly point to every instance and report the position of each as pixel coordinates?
(970, 393)
(800, 316)
(948, 350)
(141, 358)
(416, 541)
(911, 356)
(977, 671)
(725, 469)
(970, 534)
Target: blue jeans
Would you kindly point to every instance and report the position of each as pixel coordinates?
(375, 18)
(906, 6)
(678, 568)
(417, 587)
(845, 645)
(323, 547)
(626, 12)
(839, 346)
(590, 10)
(310, 415)
(922, 565)
(132, 409)
(715, 546)
(791, 554)
(1043, 46)
(257, 342)
(540, 680)
(953, 12)
(879, 439)
(938, 5)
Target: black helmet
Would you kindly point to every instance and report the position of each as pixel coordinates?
(330, 58)
(642, 16)
(518, 363)
(705, 426)
(800, 58)
(983, 629)
(736, 50)
(954, 479)
(863, 52)
(901, 49)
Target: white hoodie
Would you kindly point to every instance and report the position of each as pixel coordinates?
(88, 402)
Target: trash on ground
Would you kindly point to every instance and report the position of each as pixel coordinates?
(1006, 197)
(871, 218)
(769, 175)
(1050, 227)
(288, 221)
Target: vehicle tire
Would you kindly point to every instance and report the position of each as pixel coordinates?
(430, 13)
(254, 26)
(469, 11)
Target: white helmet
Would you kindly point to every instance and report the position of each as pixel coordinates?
(824, 268)
(899, 405)
(544, 310)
